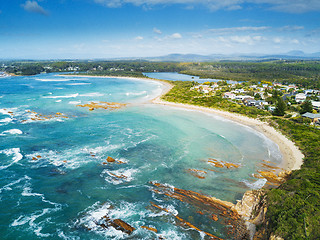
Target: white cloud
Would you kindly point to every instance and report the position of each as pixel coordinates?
(176, 36)
(237, 29)
(33, 6)
(156, 30)
(291, 28)
(295, 41)
(277, 40)
(138, 38)
(293, 6)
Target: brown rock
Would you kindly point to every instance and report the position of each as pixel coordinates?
(122, 226)
(110, 159)
(214, 217)
(150, 228)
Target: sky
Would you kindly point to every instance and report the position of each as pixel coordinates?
(82, 29)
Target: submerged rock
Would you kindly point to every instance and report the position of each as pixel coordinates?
(150, 229)
(102, 105)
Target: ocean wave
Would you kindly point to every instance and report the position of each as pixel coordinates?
(16, 156)
(11, 131)
(5, 121)
(119, 176)
(71, 158)
(94, 94)
(8, 111)
(53, 79)
(125, 211)
(64, 96)
(39, 218)
(136, 93)
(8, 186)
(255, 185)
(75, 102)
(78, 84)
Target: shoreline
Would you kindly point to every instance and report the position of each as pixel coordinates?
(292, 157)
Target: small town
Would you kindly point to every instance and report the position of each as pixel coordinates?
(289, 101)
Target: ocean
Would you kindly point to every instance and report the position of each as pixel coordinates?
(69, 173)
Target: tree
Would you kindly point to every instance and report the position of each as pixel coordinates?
(306, 106)
(280, 108)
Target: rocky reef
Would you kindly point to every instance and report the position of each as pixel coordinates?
(102, 105)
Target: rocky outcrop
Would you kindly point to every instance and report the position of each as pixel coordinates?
(222, 211)
(106, 222)
(102, 105)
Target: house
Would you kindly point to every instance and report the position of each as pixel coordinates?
(314, 117)
(229, 95)
(316, 105)
(271, 108)
(300, 97)
(241, 97)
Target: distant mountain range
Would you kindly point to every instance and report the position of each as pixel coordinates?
(292, 55)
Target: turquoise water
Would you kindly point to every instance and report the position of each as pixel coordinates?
(174, 76)
(53, 180)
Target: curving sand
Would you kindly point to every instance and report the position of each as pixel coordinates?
(292, 156)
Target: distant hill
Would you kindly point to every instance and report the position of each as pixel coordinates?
(292, 55)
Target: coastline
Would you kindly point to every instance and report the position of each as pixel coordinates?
(292, 156)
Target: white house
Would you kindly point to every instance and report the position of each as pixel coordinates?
(300, 97)
(229, 95)
(316, 105)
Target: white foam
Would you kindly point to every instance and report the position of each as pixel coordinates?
(16, 156)
(256, 185)
(120, 176)
(11, 131)
(59, 100)
(76, 84)
(9, 185)
(94, 94)
(136, 93)
(6, 121)
(7, 111)
(126, 212)
(75, 102)
(53, 80)
(64, 96)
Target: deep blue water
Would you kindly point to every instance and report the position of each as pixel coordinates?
(53, 180)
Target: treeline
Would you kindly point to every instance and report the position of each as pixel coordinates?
(303, 73)
(294, 207)
(131, 68)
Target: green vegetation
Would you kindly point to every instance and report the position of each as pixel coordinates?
(181, 93)
(303, 73)
(306, 106)
(294, 207)
(114, 68)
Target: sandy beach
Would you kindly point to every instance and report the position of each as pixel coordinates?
(292, 156)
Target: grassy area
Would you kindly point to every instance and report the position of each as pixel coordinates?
(294, 207)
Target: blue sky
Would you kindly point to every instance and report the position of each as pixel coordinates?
(49, 29)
